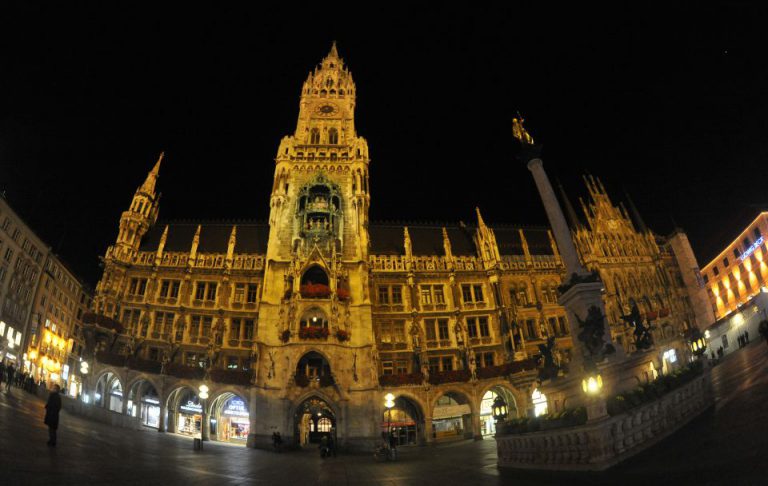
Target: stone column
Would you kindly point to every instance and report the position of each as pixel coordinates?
(556, 219)
(476, 432)
(161, 422)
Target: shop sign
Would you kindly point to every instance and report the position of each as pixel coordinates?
(152, 401)
(10, 356)
(236, 407)
(751, 249)
(191, 407)
(450, 411)
(65, 372)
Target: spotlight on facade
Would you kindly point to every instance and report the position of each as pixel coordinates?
(203, 389)
(84, 368)
(389, 401)
(592, 385)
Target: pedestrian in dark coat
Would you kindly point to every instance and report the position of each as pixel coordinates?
(10, 371)
(52, 409)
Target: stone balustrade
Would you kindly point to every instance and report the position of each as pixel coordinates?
(602, 443)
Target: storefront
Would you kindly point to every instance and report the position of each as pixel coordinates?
(401, 425)
(150, 412)
(450, 419)
(234, 423)
(190, 417)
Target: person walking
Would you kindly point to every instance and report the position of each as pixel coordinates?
(763, 330)
(2, 371)
(10, 372)
(52, 409)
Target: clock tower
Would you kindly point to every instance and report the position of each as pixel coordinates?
(316, 272)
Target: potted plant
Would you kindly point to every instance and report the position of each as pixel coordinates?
(285, 336)
(342, 335)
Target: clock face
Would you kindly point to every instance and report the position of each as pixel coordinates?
(327, 109)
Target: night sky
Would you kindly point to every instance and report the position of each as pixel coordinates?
(667, 102)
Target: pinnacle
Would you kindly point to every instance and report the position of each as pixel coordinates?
(334, 52)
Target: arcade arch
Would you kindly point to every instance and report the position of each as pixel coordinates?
(144, 403)
(109, 392)
(487, 422)
(229, 418)
(405, 421)
(451, 417)
(313, 419)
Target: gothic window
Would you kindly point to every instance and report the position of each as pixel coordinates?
(314, 136)
(333, 136)
(314, 318)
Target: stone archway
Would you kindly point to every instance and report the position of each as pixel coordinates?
(144, 403)
(452, 414)
(229, 418)
(184, 411)
(314, 418)
(490, 394)
(405, 421)
(108, 392)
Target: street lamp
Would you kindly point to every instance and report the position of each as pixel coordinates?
(389, 402)
(499, 408)
(203, 394)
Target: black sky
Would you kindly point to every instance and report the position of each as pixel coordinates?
(666, 101)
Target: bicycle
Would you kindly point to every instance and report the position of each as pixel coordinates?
(383, 453)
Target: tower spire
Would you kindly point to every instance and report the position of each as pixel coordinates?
(334, 52)
(149, 184)
(641, 227)
(570, 213)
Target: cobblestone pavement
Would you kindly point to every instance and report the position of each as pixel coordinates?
(727, 446)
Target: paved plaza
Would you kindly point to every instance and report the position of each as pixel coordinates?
(727, 446)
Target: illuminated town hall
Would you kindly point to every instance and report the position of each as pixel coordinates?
(303, 324)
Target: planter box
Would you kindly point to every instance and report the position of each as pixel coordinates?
(600, 444)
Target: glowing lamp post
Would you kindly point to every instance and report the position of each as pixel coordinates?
(389, 402)
(203, 394)
(592, 385)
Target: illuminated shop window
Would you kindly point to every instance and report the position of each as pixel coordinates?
(539, 403)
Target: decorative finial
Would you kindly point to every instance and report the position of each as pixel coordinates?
(334, 52)
(519, 131)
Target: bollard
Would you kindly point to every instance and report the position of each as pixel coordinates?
(197, 444)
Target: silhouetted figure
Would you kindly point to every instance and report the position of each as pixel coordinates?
(746, 337)
(11, 371)
(52, 409)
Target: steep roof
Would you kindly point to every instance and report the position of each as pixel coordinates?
(214, 237)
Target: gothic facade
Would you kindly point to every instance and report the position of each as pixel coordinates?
(311, 318)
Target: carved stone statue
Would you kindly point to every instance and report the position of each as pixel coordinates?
(642, 333)
(591, 335)
(549, 368)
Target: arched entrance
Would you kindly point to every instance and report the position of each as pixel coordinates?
(144, 404)
(230, 420)
(185, 412)
(109, 392)
(314, 419)
(405, 421)
(451, 417)
(487, 422)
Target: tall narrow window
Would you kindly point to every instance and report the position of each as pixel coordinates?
(314, 137)
(333, 136)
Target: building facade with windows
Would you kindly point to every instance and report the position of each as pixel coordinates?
(310, 318)
(41, 306)
(738, 273)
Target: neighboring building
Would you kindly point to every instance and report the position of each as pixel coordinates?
(56, 342)
(303, 320)
(42, 304)
(22, 255)
(736, 275)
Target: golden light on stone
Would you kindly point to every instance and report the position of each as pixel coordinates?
(592, 384)
(203, 389)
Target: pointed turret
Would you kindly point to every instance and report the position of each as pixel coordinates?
(447, 245)
(524, 243)
(149, 184)
(161, 246)
(638, 220)
(334, 53)
(407, 243)
(231, 244)
(570, 213)
(480, 222)
(195, 244)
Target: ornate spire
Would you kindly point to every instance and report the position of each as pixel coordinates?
(149, 184)
(638, 220)
(407, 243)
(447, 245)
(161, 245)
(570, 213)
(231, 243)
(524, 243)
(480, 222)
(334, 53)
(195, 244)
